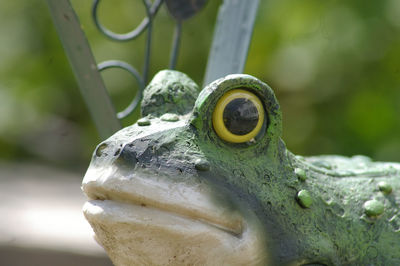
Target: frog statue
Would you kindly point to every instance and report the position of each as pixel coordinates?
(205, 179)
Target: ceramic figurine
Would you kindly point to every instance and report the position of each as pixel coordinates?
(205, 179)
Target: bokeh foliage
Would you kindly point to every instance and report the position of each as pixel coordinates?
(334, 65)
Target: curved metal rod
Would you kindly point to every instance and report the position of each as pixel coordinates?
(175, 45)
(120, 64)
(129, 35)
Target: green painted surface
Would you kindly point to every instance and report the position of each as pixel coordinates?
(304, 198)
(169, 92)
(301, 174)
(169, 117)
(143, 122)
(323, 210)
(373, 208)
(385, 187)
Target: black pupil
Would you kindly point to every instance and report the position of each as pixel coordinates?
(240, 116)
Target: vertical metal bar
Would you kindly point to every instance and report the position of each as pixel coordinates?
(175, 44)
(146, 65)
(232, 38)
(84, 67)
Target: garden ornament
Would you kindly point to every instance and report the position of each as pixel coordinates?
(205, 179)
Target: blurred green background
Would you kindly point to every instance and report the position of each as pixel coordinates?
(334, 66)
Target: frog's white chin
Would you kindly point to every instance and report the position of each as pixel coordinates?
(145, 219)
(141, 235)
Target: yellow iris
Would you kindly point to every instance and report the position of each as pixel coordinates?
(218, 116)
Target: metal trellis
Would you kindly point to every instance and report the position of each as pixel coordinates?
(228, 51)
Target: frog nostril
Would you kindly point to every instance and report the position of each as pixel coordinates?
(100, 150)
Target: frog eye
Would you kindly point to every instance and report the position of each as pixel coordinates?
(238, 116)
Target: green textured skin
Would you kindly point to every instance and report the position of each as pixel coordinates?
(169, 92)
(329, 224)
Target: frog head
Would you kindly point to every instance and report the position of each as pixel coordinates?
(186, 183)
(204, 178)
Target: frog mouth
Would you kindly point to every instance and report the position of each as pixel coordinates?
(148, 197)
(148, 219)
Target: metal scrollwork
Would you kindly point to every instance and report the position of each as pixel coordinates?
(179, 10)
(151, 10)
(120, 64)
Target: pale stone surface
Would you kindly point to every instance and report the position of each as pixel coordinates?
(138, 235)
(143, 219)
